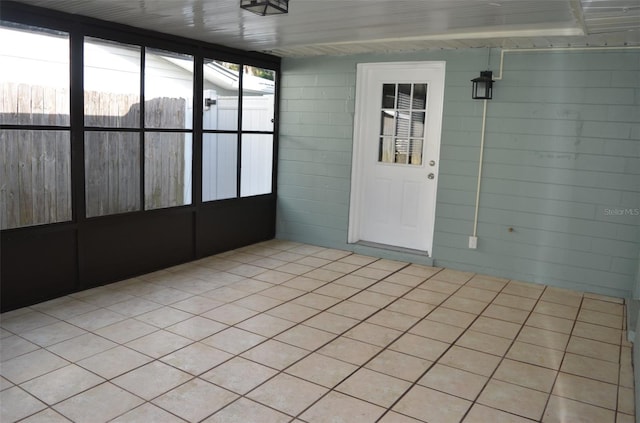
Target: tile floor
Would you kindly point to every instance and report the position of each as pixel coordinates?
(287, 332)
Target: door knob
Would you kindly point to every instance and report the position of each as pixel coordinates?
(431, 176)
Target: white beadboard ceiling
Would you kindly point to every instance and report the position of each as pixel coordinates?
(333, 27)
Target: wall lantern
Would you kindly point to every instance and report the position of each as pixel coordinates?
(265, 7)
(482, 88)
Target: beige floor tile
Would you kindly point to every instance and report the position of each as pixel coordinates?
(196, 328)
(562, 296)
(544, 321)
(534, 354)
(225, 294)
(483, 295)
(46, 336)
(275, 354)
(114, 362)
(374, 387)
(353, 281)
(265, 325)
(386, 264)
(234, 340)
(626, 401)
(419, 346)
(125, 330)
(195, 400)
(196, 358)
(521, 289)
(331, 322)
(372, 273)
(25, 320)
(420, 270)
(399, 365)
(436, 330)
(543, 338)
(393, 417)
(393, 320)
(239, 375)
(246, 270)
(96, 319)
(305, 337)
(410, 308)
(353, 310)
(339, 408)
(293, 312)
(151, 380)
(405, 279)
(295, 269)
(454, 276)
(163, 317)
(31, 365)
(13, 346)
(496, 327)
(321, 369)
(557, 310)
(426, 296)
(258, 302)
(514, 301)
(5, 384)
(313, 262)
(61, 384)
(599, 318)
(372, 298)
(325, 275)
(597, 332)
(341, 267)
(16, 404)
(303, 283)
(230, 314)
(601, 297)
(472, 361)
(388, 288)
(317, 301)
(166, 296)
(358, 259)
(590, 391)
(456, 302)
(484, 342)
(336, 290)
(440, 286)
(452, 317)
(134, 307)
(527, 375)
(483, 414)
(373, 334)
(454, 381)
(158, 344)
(625, 418)
(487, 282)
(562, 410)
(283, 293)
(148, 413)
(604, 371)
(98, 405)
(46, 416)
(247, 411)
(514, 399)
(349, 350)
(274, 276)
(603, 306)
(508, 314)
(432, 406)
(287, 393)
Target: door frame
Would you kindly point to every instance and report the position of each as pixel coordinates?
(363, 77)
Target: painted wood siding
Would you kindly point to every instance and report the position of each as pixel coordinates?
(562, 163)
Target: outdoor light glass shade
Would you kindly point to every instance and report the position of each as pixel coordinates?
(265, 7)
(482, 88)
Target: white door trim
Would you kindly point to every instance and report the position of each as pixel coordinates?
(363, 77)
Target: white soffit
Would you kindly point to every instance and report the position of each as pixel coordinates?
(321, 27)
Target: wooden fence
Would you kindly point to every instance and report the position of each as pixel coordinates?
(35, 165)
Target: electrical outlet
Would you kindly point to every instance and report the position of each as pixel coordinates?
(473, 242)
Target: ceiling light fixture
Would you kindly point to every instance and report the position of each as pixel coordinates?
(265, 7)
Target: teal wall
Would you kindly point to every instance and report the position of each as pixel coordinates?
(562, 152)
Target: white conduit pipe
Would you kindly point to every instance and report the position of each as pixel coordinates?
(484, 111)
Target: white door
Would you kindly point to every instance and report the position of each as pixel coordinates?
(398, 124)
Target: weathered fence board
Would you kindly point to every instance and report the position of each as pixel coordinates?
(35, 165)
